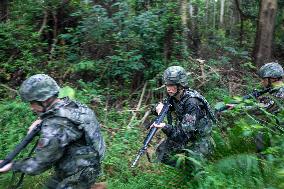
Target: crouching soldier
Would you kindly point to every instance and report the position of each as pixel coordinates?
(190, 131)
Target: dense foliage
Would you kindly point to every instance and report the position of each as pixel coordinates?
(109, 51)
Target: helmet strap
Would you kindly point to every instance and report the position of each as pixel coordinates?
(47, 103)
(269, 82)
(41, 104)
(179, 90)
(50, 102)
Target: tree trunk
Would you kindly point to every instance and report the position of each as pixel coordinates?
(194, 34)
(3, 10)
(233, 19)
(265, 30)
(242, 19)
(206, 11)
(213, 16)
(184, 22)
(241, 31)
(221, 23)
(168, 43)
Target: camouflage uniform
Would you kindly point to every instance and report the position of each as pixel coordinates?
(272, 101)
(70, 141)
(192, 127)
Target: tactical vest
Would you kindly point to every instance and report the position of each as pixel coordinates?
(273, 101)
(190, 93)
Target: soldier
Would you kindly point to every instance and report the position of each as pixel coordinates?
(192, 127)
(70, 137)
(271, 75)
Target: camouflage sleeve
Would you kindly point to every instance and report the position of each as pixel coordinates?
(55, 135)
(270, 104)
(185, 128)
(263, 103)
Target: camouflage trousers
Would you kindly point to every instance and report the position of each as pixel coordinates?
(168, 150)
(83, 179)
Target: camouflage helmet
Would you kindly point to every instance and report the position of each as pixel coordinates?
(38, 87)
(271, 69)
(175, 75)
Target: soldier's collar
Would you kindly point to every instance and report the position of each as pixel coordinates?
(277, 85)
(179, 96)
(63, 102)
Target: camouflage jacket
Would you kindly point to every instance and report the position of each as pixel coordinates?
(70, 140)
(194, 118)
(273, 101)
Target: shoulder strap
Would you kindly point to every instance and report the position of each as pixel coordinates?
(194, 94)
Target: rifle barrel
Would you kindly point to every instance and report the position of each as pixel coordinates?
(152, 132)
(254, 94)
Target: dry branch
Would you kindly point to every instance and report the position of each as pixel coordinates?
(134, 113)
(9, 88)
(145, 117)
(13, 93)
(55, 39)
(43, 22)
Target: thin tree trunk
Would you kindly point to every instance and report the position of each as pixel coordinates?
(168, 43)
(3, 10)
(214, 14)
(222, 8)
(184, 22)
(242, 19)
(206, 12)
(265, 30)
(234, 20)
(194, 29)
(241, 32)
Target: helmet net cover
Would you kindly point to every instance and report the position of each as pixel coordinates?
(38, 87)
(272, 69)
(174, 75)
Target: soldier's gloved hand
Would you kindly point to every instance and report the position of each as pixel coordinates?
(6, 167)
(161, 125)
(230, 106)
(159, 107)
(34, 124)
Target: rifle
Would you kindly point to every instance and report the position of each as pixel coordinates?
(254, 94)
(152, 131)
(28, 138)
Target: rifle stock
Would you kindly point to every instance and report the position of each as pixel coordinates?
(152, 132)
(26, 140)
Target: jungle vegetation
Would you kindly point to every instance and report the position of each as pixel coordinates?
(110, 54)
